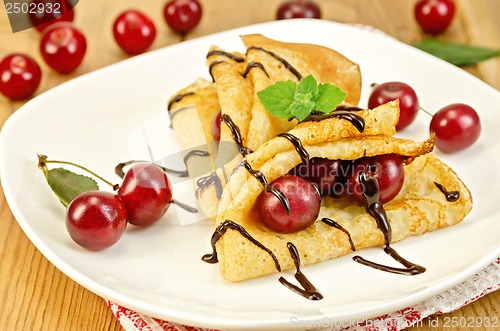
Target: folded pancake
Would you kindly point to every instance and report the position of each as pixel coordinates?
(239, 77)
(419, 207)
(191, 112)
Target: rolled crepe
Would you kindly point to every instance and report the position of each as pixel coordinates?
(418, 208)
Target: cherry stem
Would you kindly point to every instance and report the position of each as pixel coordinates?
(425, 111)
(373, 85)
(42, 161)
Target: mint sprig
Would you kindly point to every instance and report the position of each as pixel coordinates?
(287, 99)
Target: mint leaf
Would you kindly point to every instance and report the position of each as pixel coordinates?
(288, 99)
(67, 185)
(278, 97)
(329, 97)
(300, 110)
(456, 53)
(307, 89)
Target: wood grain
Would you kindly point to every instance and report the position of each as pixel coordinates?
(34, 295)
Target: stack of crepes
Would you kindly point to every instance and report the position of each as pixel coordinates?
(230, 192)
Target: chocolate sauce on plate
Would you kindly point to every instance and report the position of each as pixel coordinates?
(308, 290)
(451, 196)
(279, 58)
(376, 210)
(219, 232)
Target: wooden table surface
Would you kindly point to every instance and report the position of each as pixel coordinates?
(34, 295)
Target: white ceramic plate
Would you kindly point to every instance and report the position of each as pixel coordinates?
(114, 114)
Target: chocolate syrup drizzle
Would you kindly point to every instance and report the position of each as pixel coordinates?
(226, 54)
(252, 65)
(451, 196)
(348, 108)
(355, 119)
(376, 210)
(308, 290)
(304, 155)
(263, 181)
(219, 232)
(211, 67)
(211, 179)
(175, 112)
(332, 223)
(177, 98)
(235, 131)
(279, 58)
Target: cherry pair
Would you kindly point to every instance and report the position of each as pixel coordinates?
(97, 219)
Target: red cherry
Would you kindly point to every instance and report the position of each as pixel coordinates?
(387, 169)
(216, 126)
(328, 175)
(457, 126)
(134, 32)
(182, 16)
(63, 47)
(96, 219)
(408, 101)
(146, 193)
(434, 16)
(298, 9)
(305, 203)
(20, 76)
(51, 13)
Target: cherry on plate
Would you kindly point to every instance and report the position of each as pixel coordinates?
(134, 32)
(298, 9)
(408, 100)
(47, 12)
(146, 193)
(63, 47)
(434, 16)
(96, 219)
(20, 76)
(387, 169)
(182, 16)
(304, 199)
(457, 126)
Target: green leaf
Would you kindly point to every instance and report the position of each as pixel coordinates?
(456, 53)
(67, 185)
(300, 110)
(307, 89)
(288, 99)
(278, 97)
(329, 97)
